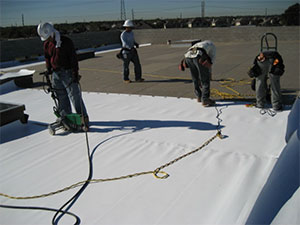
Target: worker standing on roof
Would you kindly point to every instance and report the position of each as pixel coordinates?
(61, 62)
(129, 53)
(200, 58)
(269, 63)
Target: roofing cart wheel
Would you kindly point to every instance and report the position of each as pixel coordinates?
(51, 129)
(24, 118)
(85, 128)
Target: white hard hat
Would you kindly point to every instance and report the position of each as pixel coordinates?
(45, 30)
(128, 23)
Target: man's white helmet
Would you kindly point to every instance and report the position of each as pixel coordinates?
(45, 30)
(128, 23)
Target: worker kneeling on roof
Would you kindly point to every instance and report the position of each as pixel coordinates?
(200, 58)
(61, 62)
(129, 53)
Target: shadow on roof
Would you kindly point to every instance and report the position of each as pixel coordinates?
(136, 125)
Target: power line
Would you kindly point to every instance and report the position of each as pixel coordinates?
(23, 23)
(203, 9)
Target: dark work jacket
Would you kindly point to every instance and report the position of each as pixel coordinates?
(61, 58)
(276, 69)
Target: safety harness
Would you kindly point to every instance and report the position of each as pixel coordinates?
(270, 53)
(277, 67)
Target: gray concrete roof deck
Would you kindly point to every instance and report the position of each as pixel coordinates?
(163, 78)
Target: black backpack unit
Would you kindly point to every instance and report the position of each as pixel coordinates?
(269, 53)
(278, 66)
(254, 71)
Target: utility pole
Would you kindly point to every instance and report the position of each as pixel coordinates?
(23, 23)
(123, 11)
(203, 9)
(132, 14)
(266, 12)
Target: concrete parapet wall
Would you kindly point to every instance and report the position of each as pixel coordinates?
(20, 48)
(218, 34)
(95, 39)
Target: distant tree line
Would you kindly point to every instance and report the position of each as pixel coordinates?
(289, 18)
(291, 15)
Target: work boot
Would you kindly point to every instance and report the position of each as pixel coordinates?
(208, 102)
(278, 108)
(199, 99)
(127, 81)
(140, 80)
(58, 120)
(260, 106)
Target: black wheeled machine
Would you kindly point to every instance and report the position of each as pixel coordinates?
(72, 122)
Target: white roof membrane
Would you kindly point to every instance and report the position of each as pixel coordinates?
(219, 184)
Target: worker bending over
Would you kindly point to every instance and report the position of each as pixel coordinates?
(200, 58)
(61, 62)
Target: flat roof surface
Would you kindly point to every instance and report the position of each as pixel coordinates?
(163, 78)
(219, 184)
(139, 127)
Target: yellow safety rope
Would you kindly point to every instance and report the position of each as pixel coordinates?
(228, 84)
(157, 173)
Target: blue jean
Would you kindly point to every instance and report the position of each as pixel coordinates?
(128, 57)
(201, 78)
(67, 90)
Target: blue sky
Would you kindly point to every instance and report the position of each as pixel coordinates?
(60, 11)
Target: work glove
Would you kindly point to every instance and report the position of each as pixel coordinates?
(136, 45)
(261, 57)
(120, 55)
(206, 64)
(205, 60)
(57, 39)
(182, 65)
